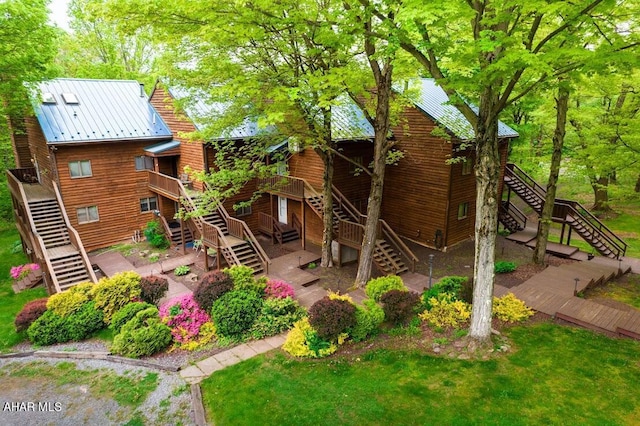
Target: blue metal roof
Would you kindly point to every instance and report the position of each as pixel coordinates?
(348, 122)
(106, 110)
(433, 100)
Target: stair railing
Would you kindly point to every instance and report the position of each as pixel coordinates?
(395, 239)
(528, 180)
(515, 213)
(597, 228)
(74, 237)
(346, 206)
(243, 232)
(40, 248)
(296, 223)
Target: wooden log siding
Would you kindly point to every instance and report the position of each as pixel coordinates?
(307, 165)
(19, 143)
(40, 152)
(191, 152)
(115, 187)
(416, 189)
(463, 190)
(354, 186)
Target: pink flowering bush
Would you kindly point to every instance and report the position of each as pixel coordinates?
(185, 318)
(21, 271)
(278, 289)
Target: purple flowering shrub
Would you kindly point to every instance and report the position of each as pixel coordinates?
(185, 318)
(278, 289)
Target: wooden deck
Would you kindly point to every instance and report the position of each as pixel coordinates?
(37, 192)
(553, 292)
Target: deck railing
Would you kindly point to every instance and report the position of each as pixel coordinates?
(74, 236)
(394, 239)
(350, 233)
(39, 247)
(285, 185)
(166, 185)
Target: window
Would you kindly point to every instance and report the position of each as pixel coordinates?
(463, 210)
(88, 214)
(148, 204)
(243, 211)
(144, 163)
(467, 166)
(79, 169)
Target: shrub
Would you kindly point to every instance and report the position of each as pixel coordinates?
(235, 312)
(111, 294)
(184, 317)
(85, 321)
(330, 317)
(376, 287)
(30, 312)
(280, 289)
(303, 341)
(47, 330)
(449, 287)
(205, 336)
(211, 287)
(399, 306)
(446, 312)
(369, 316)
(337, 296)
(503, 267)
(243, 279)
(154, 235)
(153, 288)
(125, 314)
(69, 301)
(277, 315)
(181, 270)
(509, 308)
(52, 328)
(143, 335)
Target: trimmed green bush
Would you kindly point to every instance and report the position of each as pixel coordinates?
(30, 312)
(52, 328)
(111, 294)
(369, 316)
(143, 335)
(399, 306)
(332, 317)
(503, 267)
(212, 286)
(153, 288)
(376, 287)
(127, 313)
(235, 312)
(276, 316)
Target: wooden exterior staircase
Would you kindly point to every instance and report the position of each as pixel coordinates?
(390, 252)
(49, 238)
(230, 237)
(566, 212)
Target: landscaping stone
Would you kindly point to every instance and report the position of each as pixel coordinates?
(192, 277)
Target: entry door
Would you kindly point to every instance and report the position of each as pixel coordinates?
(282, 210)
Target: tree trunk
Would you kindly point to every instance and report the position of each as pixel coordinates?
(562, 105)
(487, 183)
(327, 210)
(381, 147)
(637, 188)
(601, 194)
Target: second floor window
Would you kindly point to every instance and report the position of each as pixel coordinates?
(467, 166)
(78, 169)
(144, 163)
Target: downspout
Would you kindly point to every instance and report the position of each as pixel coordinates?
(445, 237)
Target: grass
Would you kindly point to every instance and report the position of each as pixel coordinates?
(557, 375)
(127, 390)
(10, 302)
(625, 290)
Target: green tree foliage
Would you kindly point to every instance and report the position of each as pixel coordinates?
(95, 48)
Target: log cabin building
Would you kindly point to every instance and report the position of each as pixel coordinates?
(100, 159)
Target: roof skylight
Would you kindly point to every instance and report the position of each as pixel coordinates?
(48, 98)
(70, 98)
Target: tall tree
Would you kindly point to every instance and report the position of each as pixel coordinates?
(497, 51)
(95, 48)
(27, 47)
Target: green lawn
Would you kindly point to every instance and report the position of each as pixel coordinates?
(11, 303)
(558, 375)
